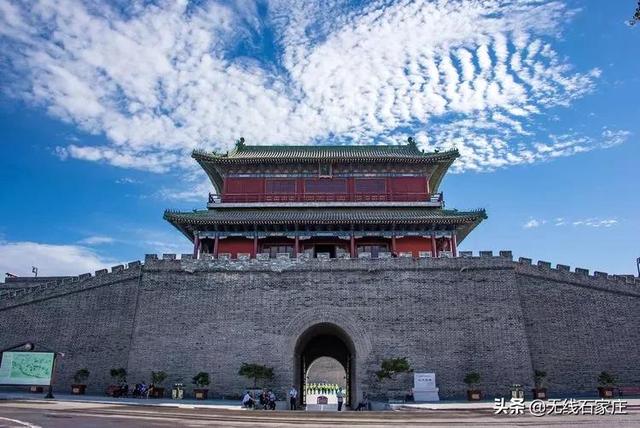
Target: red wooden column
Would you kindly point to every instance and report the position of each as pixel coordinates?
(255, 246)
(296, 246)
(353, 246)
(454, 245)
(196, 246)
(433, 246)
(393, 244)
(216, 243)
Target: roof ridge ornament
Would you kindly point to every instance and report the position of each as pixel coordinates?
(240, 145)
(412, 142)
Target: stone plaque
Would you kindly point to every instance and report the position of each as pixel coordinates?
(424, 381)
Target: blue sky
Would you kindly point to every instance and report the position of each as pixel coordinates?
(101, 104)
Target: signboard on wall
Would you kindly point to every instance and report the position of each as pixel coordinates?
(424, 381)
(26, 368)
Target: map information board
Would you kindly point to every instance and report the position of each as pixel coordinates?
(26, 368)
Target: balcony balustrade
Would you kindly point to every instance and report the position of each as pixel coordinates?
(324, 197)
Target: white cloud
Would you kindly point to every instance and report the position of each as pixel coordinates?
(96, 240)
(18, 258)
(533, 223)
(562, 221)
(595, 222)
(194, 191)
(611, 137)
(127, 180)
(163, 79)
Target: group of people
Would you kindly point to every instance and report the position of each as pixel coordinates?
(266, 400)
(323, 388)
(141, 390)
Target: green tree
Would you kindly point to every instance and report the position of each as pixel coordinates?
(472, 379)
(201, 379)
(158, 377)
(119, 375)
(256, 372)
(606, 379)
(80, 376)
(538, 378)
(392, 366)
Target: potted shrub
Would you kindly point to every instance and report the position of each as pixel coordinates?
(157, 379)
(201, 380)
(472, 379)
(606, 381)
(78, 387)
(539, 392)
(119, 377)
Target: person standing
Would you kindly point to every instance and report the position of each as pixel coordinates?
(293, 397)
(272, 400)
(340, 396)
(264, 399)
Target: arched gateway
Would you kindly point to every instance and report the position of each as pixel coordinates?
(325, 340)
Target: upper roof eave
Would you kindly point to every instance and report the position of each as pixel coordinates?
(286, 154)
(321, 215)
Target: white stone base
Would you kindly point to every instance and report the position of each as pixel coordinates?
(323, 407)
(426, 395)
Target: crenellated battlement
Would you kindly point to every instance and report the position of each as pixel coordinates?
(484, 259)
(466, 261)
(71, 284)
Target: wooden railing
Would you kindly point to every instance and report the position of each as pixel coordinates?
(324, 197)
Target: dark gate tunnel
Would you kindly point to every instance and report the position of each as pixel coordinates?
(325, 340)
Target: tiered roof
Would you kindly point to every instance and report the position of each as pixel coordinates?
(283, 215)
(248, 218)
(203, 219)
(215, 164)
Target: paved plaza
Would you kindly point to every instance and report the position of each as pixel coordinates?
(100, 412)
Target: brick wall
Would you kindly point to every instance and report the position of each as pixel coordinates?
(451, 316)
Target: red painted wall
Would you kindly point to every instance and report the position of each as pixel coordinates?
(413, 244)
(310, 189)
(235, 246)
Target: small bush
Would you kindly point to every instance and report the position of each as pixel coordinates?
(201, 379)
(538, 377)
(606, 379)
(80, 376)
(119, 375)
(472, 379)
(157, 378)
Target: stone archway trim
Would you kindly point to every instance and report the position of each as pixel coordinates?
(304, 320)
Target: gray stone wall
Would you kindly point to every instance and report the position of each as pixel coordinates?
(90, 321)
(451, 316)
(579, 326)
